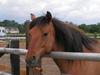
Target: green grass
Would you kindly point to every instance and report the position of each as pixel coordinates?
(92, 34)
(22, 41)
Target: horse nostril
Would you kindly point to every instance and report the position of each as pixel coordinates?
(33, 59)
(32, 62)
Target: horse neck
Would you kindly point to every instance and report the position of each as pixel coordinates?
(96, 48)
(61, 63)
(65, 66)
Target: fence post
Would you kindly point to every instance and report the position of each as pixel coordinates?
(15, 59)
(30, 71)
(95, 35)
(27, 42)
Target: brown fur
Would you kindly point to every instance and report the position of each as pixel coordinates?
(63, 38)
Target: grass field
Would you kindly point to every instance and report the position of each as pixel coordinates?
(92, 34)
(89, 34)
(22, 41)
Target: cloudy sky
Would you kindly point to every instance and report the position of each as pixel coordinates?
(76, 11)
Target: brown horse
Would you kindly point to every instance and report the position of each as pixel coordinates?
(50, 34)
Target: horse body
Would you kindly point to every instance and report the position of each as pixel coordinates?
(78, 67)
(49, 34)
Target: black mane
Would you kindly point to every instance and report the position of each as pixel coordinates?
(68, 36)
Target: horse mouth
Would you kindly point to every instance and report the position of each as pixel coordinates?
(30, 64)
(33, 61)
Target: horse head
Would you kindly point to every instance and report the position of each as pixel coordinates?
(42, 38)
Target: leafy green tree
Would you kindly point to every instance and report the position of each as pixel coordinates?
(13, 23)
(1, 24)
(21, 28)
(83, 27)
(88, 28)
(98, 24)
(69, 22)
(94, 28)
(10, 23)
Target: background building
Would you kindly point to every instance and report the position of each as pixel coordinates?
(12, 30)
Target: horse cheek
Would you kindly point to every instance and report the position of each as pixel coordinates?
(49, 45)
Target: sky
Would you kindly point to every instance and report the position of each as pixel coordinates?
(76, 11)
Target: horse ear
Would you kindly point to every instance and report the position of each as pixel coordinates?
(48, 16)
(32, 16)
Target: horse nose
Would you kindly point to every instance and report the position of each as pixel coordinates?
(32, 61)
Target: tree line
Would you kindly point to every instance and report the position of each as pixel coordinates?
(12, 23)
(91, 28)
(86, 28)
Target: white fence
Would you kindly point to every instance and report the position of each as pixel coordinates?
(57, 55)
(2, 38)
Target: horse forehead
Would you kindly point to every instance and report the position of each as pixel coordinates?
(40, 28)
(35, 28)
(46, 27)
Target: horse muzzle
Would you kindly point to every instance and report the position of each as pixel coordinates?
(32, 62)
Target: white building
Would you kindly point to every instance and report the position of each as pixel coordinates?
(2, 31)
(12, 30)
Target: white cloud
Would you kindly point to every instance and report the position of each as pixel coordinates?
(72, 10)
(87, 12)
(3, 1)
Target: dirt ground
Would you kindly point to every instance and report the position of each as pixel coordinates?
(47, 63)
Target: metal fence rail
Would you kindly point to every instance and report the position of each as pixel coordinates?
(2, 38)
(75, 56)
(57, 55)
(16, 51)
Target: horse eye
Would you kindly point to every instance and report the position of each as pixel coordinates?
(45, 34)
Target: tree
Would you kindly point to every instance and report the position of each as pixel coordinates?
(98, 24)
(88, 28)
(94, 28)
(1, 24)
(69, 22)
(21, 28)
(13, 23)
(10, 23)
(83, 27)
